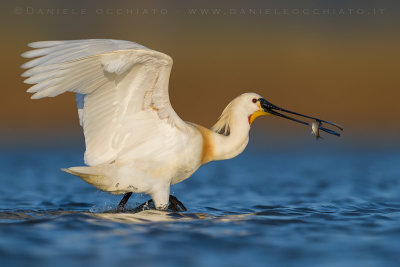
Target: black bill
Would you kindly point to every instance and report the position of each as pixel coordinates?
(272, 109)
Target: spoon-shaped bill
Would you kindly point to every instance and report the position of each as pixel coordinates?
(271, 108)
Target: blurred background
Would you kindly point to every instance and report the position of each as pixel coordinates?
(288, 200)
(337, 60)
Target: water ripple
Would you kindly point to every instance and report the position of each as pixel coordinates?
(298, 216)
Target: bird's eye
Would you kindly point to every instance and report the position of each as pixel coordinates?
(254, 100)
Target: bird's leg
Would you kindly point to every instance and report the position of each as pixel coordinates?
(175, 204)
(123, 201)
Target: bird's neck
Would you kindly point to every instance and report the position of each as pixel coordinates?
(233, 143)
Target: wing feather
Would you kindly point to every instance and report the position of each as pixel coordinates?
(122, 94)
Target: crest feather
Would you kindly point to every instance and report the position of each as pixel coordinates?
(223, 124)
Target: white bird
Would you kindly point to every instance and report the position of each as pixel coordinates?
(135, 142)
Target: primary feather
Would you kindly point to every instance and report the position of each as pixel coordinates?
(122, 94)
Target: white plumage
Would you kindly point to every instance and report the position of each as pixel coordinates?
(121, 84)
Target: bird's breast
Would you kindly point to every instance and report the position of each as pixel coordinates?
(207, 147)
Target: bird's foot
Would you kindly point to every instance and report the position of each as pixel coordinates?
(144, 206)
(175, 204)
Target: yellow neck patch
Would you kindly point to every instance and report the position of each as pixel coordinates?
(257, 114)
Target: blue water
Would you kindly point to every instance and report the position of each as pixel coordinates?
(263, 208)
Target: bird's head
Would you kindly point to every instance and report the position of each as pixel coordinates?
(252, 103)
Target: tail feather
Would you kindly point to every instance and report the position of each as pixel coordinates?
(94, 176)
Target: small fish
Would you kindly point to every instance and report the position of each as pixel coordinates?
(315, 128)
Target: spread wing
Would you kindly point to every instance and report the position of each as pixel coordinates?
(121, 90)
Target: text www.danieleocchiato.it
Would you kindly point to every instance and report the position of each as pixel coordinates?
(42, 11)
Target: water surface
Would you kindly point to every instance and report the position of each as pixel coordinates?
(290, 208)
